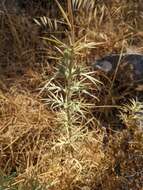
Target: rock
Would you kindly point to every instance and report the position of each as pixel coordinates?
(127, 72)
(127, 62)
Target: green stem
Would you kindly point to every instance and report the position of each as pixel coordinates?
(69, 64)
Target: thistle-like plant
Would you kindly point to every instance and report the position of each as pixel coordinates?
(132, 114)
(69, 90)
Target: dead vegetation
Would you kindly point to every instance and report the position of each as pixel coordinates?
(56, 115)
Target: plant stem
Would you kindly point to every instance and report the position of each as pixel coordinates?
(68, 99)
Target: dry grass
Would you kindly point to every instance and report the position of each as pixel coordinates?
(64, 145)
